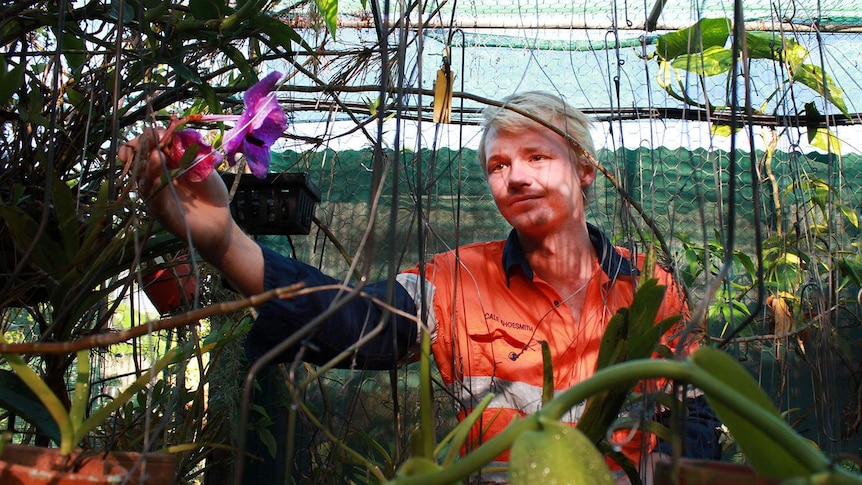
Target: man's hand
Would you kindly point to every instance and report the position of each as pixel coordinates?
(198, 212)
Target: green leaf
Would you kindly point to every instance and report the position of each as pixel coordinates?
(16, 397)
(462, 431)
(775, 47)
(824, 139)
(100, 415)
(631, 334)
(209, 9)
(47, 255)
(850, 214)
(48, 399)
(820, 137)
(280, 33)
(74, 51)
(329, 11)
(82, 389)
(240, 62)
(746, 262)
(186, 72)
(713, 61)
(702, 35)
(10, 81)
(67, 218)
(266, 437)
(721, 129)
(763, 45)
(767, 457)
(814, 77)
(78, 100)
(211, 98)
(128, 11)
(851, 269)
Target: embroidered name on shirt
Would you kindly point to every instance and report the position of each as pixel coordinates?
(508, 324)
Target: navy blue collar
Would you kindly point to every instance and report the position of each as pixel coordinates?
(612, 262)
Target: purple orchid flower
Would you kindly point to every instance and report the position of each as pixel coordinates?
(259, 126)
(205, 160)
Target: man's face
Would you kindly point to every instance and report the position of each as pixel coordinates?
(533, 180)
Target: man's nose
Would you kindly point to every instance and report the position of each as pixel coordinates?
(519, 175)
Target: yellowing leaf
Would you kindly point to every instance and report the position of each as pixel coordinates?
(781, 314)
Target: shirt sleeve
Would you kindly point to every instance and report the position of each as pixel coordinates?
(348, 318)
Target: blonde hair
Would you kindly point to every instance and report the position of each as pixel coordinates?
(548, 107)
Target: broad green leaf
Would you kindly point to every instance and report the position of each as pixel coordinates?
(851, 269)
(240, 62)
(78, 100)
(763, 46)
(721, 129)
(97, 220)
(35, 103)
(16, 397)
(767, 457)
(47, 255)
(775, 47)
(75, 51)
(850, 214)
(712, 61)
(462, 431)
(556, 453)
(81, 398)
(702, 35)
(48, 399)
(824, 139)
(280, 33)
(209, 9)
(100, 415)
(67, 218)
(186, 72)
(630, 334)
(814, 77)
(10, 81)
(128, 11)
(211, 98)
(746, 262)
(266, 437)
(329, 11)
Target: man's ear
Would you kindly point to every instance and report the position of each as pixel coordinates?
(586, 172)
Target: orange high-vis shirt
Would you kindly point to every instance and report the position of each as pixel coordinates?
(489, 313)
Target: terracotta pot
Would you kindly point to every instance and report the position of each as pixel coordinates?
(33, 465)
(169, 288)
(708, 472)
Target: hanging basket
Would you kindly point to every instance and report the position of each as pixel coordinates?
(280, 204)
(171, 287)
(34, 465)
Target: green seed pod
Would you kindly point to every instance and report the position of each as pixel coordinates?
(557, 454)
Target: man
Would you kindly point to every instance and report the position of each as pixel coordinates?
(489, 305)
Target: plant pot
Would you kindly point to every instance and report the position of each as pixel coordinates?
(33, 465)
(280, 204)
(171, 287)
(709, 472)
